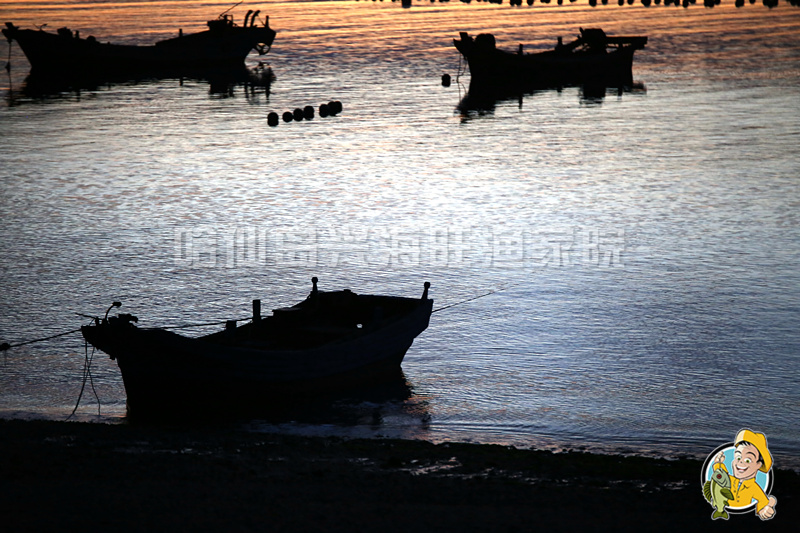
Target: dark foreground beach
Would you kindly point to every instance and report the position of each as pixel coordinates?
(60, 476)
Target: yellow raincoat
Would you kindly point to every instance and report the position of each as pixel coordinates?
(744, 492)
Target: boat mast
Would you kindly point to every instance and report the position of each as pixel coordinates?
(234, 5)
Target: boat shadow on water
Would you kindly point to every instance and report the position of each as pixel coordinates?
(482, 101)
(367, 405)
(44, 86)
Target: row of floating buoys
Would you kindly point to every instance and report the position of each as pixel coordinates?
(332, 108)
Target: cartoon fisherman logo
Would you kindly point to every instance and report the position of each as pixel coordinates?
(737, 477)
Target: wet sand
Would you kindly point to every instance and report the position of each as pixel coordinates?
(62, 476)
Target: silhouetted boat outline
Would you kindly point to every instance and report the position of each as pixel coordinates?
(331, 341)
(223, 45)
(593, 59)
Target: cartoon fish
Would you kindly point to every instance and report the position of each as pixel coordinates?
(717, 491)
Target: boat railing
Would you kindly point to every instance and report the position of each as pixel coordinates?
(223, 22)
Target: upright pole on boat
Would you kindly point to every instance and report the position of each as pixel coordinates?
(256, 310)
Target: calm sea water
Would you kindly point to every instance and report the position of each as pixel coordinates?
(640, 249)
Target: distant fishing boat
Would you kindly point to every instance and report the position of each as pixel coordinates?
(330, 341)
(592, 58)
(223, 45)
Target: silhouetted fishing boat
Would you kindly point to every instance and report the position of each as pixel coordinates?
(223, 45)
(592, 58)
(331, 341)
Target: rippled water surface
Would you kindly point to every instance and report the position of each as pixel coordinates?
(637, 252)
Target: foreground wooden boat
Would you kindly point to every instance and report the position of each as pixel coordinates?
(223, 45)
(329, 342)
(593, 58)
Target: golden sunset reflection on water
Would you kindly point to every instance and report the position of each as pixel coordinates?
(370, 32)
(369, 24)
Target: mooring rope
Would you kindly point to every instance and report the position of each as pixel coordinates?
(87, 374)
(475, 298)
(5, 346)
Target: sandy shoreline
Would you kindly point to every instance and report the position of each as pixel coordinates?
(65, 476)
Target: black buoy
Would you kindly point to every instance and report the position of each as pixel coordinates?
(308, 112)
(334, 107)
(445, 80)
(298, 114)
(324, 111)
(272, 119)
(287, 116)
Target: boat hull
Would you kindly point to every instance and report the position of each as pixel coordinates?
(493, 69)
(164, 372)
(214, 48)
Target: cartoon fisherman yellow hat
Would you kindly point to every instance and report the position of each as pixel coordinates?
(759, 440)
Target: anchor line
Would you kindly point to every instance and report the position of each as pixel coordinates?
(89, 358)
(474, 298)
(458, 72)
(5, 346)
(87, 375)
